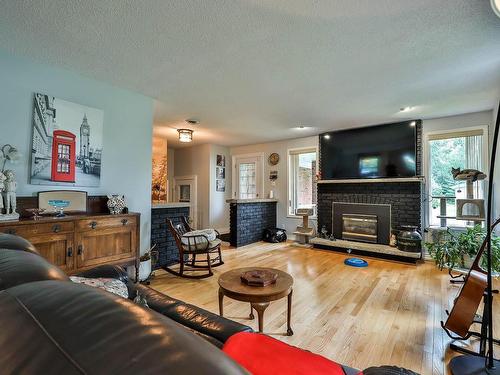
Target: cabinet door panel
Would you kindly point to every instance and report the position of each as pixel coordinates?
(57, 249)
(106, 245)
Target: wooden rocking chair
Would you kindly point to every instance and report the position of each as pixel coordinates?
(196, 245)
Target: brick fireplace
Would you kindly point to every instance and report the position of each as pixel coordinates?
(393, 203)
(368, 211)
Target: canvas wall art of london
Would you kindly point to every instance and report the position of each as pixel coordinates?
(66, 143)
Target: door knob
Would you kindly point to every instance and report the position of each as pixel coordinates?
(93, 224)
(80, 250)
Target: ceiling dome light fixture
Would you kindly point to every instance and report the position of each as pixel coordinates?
(495, 4)
(185, 135)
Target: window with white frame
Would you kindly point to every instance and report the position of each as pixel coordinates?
(302, 179)
(465, 149)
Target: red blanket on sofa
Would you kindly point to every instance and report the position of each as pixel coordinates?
(263, 355)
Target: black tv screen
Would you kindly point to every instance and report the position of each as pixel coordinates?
(382, 151)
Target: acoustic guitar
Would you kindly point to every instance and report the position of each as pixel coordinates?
(466, 304)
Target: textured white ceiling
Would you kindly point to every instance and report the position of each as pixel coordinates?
(251, 70)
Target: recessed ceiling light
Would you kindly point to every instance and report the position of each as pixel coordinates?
(405, 109)
(301, 127)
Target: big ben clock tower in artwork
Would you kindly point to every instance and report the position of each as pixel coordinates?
(84, 138)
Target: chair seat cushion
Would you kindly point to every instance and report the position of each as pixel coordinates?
(198, 236)
(202, 245)
(261, 354)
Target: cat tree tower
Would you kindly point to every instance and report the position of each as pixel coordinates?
(304, 232)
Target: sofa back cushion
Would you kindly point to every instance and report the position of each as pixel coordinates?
(19, 267)
(12, 242)
(63, 327)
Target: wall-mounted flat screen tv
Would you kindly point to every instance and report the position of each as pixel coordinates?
(381, 151)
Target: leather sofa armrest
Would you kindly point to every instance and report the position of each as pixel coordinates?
(188, 315)
(108, 271)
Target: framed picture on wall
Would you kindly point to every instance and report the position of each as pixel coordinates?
(221, 160)
(66, 143)
(220, 185)
(220, 172)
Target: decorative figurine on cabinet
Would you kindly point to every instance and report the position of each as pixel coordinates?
(10, 196)
(2, 188)
(10, 192)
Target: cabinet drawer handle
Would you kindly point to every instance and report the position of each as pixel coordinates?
(70, 252)
(124, 221)
(93, 224)
(11, 231)
(56, 228)
(80, 250)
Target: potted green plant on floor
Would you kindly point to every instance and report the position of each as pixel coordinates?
(457, 249)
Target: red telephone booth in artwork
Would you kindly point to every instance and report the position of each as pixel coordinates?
(63, 156)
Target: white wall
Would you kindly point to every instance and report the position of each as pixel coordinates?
(219, 209)
(126, 158)
(195, 160)
(281, 188)
(213, 211)
(456, 122)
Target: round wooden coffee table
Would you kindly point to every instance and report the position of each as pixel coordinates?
(230, 285)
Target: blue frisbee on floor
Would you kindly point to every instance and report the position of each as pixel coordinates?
(355, 262)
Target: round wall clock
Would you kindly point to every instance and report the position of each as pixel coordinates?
(274, 158)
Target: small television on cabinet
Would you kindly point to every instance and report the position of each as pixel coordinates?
(380, 151)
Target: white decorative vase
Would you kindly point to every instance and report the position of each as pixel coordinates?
(144, 269)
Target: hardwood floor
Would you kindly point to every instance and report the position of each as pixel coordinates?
(388, 313)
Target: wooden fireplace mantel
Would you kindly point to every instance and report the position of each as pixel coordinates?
(420, 179)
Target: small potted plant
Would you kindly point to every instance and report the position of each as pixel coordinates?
(145, 266)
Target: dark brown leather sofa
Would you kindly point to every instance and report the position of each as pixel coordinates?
(49, 325)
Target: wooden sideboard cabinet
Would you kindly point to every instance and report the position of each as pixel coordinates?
(79, 242)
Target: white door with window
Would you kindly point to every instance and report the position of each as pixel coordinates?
(186, 192)
(247, 176)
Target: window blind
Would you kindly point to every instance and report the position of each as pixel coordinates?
(457, 134)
